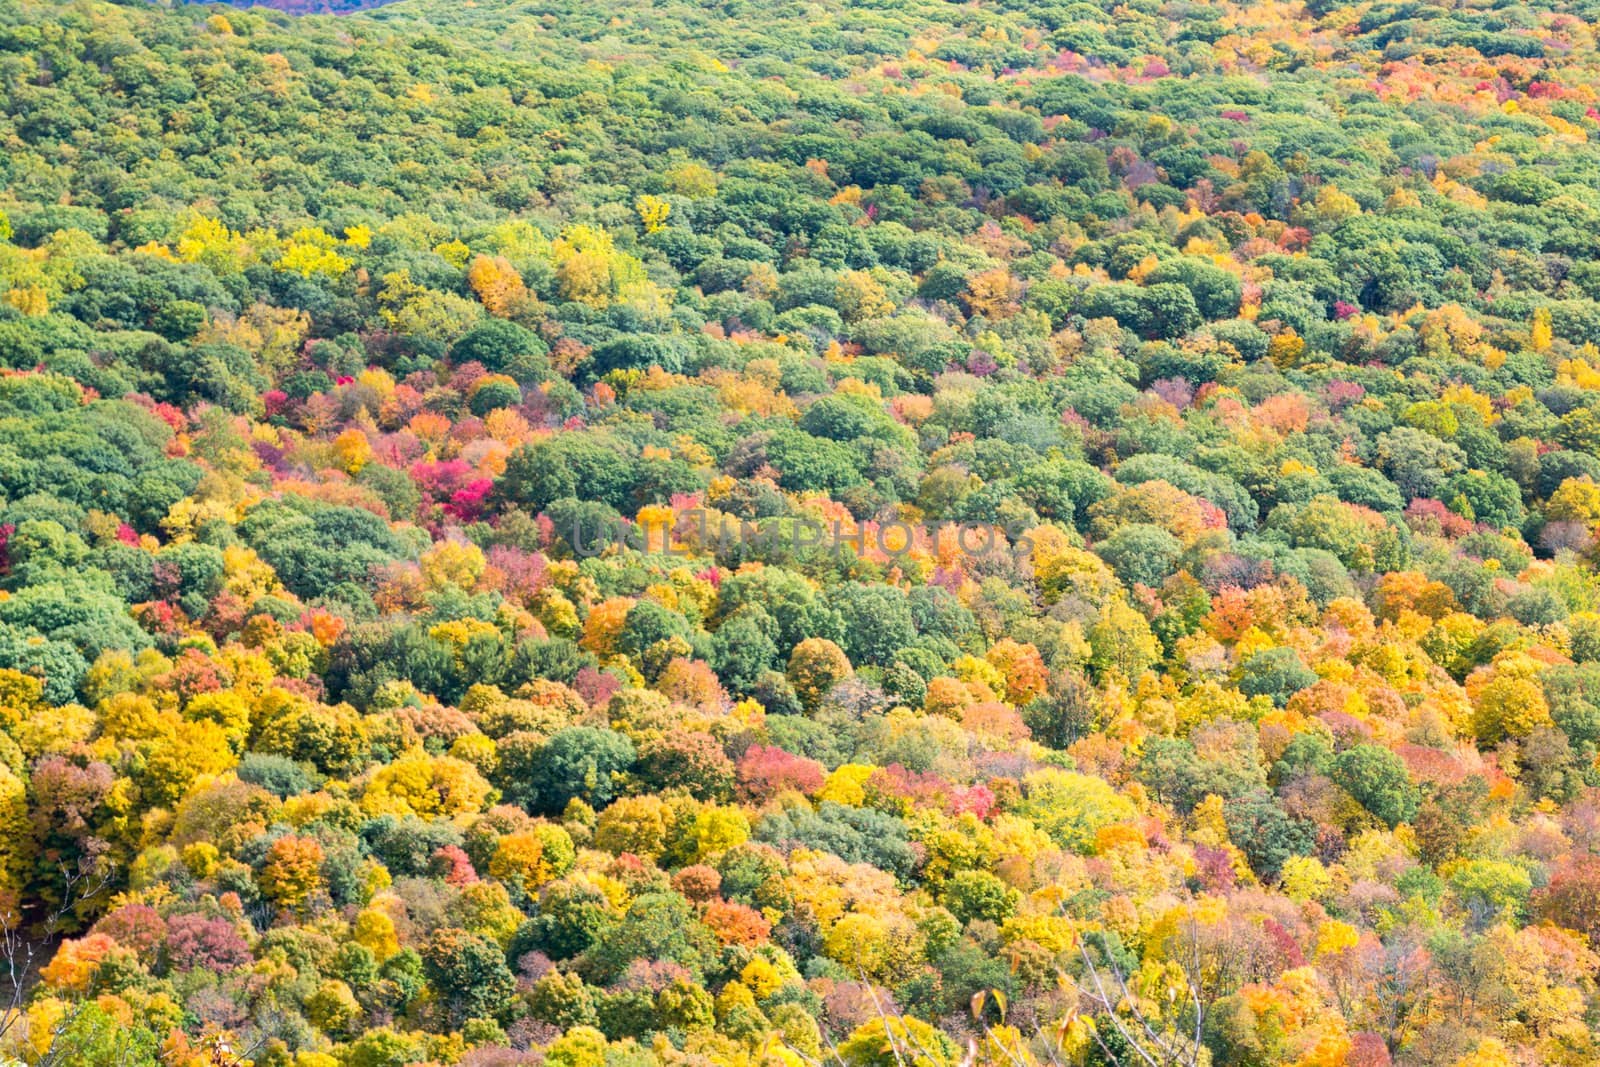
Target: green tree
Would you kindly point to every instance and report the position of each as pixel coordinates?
(1216, 292)
(469, 975)
(1378, 779)
(876, 622)
(579, 465)
(656, 926)
(1277, 673)
(504, 347)
(743, 648)
(1265, 833)
(582, 762)
(1140, 554)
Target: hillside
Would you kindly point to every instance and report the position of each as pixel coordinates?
(312, 7)
(889, 534)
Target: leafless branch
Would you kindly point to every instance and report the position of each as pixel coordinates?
(22, 952)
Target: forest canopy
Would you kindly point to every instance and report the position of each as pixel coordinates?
(1260, 726)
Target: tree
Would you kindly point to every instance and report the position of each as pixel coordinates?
(1486, 497)
(562, 1000)
(504, 348)
(382, 1048)
(815, 666)
(468, 973)
(793, 603)
(498, 285)
(980, 895)
(426, 785)
(493, 392)
(808, 464)
(1071, 807)
(570, 465)
(572, 916)
(198, 942)
(582, 1046)
(656, 926)
(1572, 898)
(582, 762)
(95, 1038)
(1121, 641)
(1156, 1016)
(1277, 673)
(856, 835)
(1140, 554)
(1418, 463)
(527, 859)
(637, 825)
(333, 1007)
(1169, 310)
(292, 872)
(1216, 292)
(1378, 779)
(1505, 705)
(743, 648)
(652, 636)
(876, 621)
(1491, 890)
(897, 1041)
(1264, 832)
(320, 643)
(1068, 710)
(765, 772)
(691, 762)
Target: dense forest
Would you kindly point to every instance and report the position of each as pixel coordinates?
(891, 534)
(312, 7)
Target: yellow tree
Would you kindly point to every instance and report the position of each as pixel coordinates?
(1507, 700)
(498, 285)
(653, 212)
(352, 451)
(292, 872)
